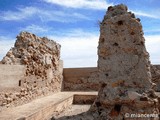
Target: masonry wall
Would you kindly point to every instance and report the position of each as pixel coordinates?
(84, 79)
(10, 75)
(155, 71)
(157, 66)
(43, 73)
(79, 79)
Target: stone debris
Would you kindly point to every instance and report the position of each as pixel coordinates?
(43, 75)
(124, 70)
(155, 71)
(133, 95)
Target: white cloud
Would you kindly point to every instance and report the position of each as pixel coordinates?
(83, 4)
(152, 45)
(36, 29)
(6, 43)
(152, 30)
(43, 14)
(144, 14)
(20, 14)
(79, 48)
(61, 16)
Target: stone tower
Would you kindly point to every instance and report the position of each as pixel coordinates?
(124, 67)
(126, 91)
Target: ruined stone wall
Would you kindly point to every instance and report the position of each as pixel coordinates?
(80, 79)
(43, 74)
(155, 71)
(10, 76)
(86, 79)
(123, 71)
(157, 66)
(124, 67)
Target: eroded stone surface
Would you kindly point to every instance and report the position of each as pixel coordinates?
(155, 71)
(43, 74)
(123, 60)
(124, 67)
(80, 79)
(124, 70)
(86, 79)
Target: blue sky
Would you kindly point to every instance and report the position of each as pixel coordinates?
(74, 24)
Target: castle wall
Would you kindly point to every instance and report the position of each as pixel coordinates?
(84, 79)
(10, 75)
(79, 79)
(157, 66)
(43, 73)
(74, 79)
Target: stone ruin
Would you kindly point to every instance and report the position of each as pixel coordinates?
(124, 67)
(155, 72)
(43, 73)
(123, 70)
